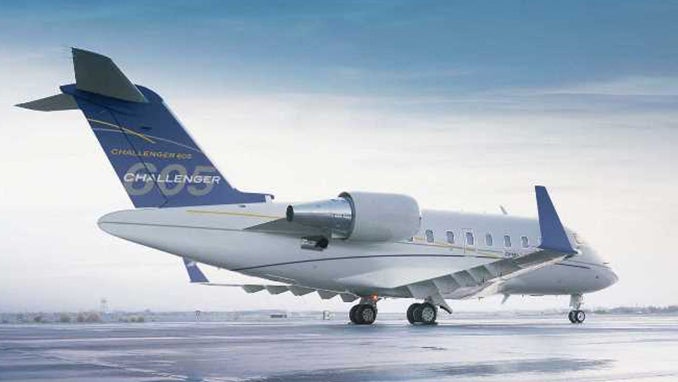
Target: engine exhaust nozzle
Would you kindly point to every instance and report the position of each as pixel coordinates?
(335, 215)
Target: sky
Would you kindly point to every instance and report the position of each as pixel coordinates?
(463, 105)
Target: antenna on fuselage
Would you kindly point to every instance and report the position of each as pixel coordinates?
(503, 210)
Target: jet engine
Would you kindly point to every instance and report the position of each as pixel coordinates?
(363, 216)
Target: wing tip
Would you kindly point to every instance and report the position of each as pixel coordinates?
(553, 234)
(195, 275)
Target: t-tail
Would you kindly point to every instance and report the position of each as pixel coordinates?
(154, 157)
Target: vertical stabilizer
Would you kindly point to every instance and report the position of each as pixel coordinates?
(156, 160)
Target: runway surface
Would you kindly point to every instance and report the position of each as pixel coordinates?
(605, 348)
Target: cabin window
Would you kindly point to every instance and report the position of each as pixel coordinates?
(429, 236)
(507, 241)
(524, 241)
(488, 239)
(450, 237)
(469, 238)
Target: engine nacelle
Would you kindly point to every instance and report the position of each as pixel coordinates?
(364, 216)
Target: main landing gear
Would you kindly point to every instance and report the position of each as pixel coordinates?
(422, 313)
(365, 313)
(576, 315)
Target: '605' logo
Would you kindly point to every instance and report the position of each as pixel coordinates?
(141, 177)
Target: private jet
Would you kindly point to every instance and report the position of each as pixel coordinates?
(360, 246)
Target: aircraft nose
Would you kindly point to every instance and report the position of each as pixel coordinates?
(610, 278)
(615, 278)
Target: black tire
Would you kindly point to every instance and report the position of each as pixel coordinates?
(352, 314)
(426, 314)
(410, 313)
(571, 316)
(579, 316)
(366, 314)
(416, 313)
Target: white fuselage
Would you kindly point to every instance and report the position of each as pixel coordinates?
(221, 236)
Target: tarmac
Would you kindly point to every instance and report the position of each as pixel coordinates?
(605, 348)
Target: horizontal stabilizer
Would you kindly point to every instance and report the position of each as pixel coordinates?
(194, 273)
(553, 235)
(54, 103)
(98, 74)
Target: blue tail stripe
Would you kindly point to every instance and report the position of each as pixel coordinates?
(156, 160)
(553, 235)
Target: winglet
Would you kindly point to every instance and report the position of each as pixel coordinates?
(553, 235)
(194, 273)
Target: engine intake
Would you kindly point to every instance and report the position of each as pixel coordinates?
(361, 216)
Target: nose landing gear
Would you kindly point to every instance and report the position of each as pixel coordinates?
(576, 315)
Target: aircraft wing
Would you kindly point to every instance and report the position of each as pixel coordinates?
(484, 280)
(487, 279)
(196, 276)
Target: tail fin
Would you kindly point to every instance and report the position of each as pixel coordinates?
(154, 157)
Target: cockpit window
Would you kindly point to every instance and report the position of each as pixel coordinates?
(507, 241)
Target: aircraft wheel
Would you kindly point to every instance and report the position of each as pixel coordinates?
(366, 314)
(410, 313)
(579, 316)
(352, 314)
(426, 314)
